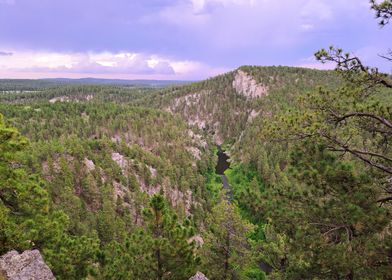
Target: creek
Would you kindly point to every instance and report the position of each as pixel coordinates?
(222, 165)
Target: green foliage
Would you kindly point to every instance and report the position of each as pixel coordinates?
(24, 202)
(72, 257)
(213, 185)
(27, 220)
(247, 187)
(383, 11)
(99, 159)
(44, 91)
(308, 167)
(162, 250)
(226, 251)
(254, 274)
(331, 225)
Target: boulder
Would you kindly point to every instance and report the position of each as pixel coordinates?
(26, 266)
(199, 276)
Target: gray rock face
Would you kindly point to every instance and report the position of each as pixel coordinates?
(26, 266)
(199, 276)
(247, 86)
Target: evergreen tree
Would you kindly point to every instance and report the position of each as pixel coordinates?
(26, 220)
(162, 250)
(174, 253)
(226, 251)
(329, 224)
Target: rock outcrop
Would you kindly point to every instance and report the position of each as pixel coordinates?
(199, 276)
(247, 86)
(26, 266)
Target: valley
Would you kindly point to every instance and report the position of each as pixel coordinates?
(134, 145)
(143, 182)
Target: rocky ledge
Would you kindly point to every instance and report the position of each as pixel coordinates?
(26, 266)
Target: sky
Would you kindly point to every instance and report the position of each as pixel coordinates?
(180, 39)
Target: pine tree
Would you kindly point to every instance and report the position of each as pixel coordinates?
(226, 251)
(174, 253)
(24, 201)
(26, 218)
(163, 250)
(328, 223)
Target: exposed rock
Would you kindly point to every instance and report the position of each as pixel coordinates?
(198, 240)
(253, 114)
(195, 152)
(197, 139)
(218, 139)
(177, 197)
(71, 98)
(59, 99)
(184, 103)
(116, 138)
(197, 121)
(247, 86)
(26, 266)
(150, 190)
(119, 190)
(56, 165)
(199, 276)
(189, 99)
(89, 164)
(153, 171)
(121, 161)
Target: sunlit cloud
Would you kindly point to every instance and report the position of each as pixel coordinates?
(126, 64)
(188, 39)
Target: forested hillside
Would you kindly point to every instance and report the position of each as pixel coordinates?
(100, 162)
(27, 85)
(260, 173)
(223, 106)
(108, 177)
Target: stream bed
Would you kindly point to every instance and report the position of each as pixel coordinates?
(222, 165)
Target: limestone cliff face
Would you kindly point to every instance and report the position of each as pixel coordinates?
(221, 106)
(247, 86)
(26, 266)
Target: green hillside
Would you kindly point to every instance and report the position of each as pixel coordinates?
(115, 175)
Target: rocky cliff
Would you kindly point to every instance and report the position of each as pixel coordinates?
(26, 266)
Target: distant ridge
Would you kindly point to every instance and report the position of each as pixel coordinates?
(140, 82)
(32, 84)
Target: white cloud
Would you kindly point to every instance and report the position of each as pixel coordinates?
(194, 13)
(239, 24)
(312, 63)
(307, 26)
(131, 65)
(196, 69)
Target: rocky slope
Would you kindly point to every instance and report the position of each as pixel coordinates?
(224, 106)
(28, 265)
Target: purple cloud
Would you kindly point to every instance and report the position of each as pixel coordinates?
(5, 53)
(222, 34)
